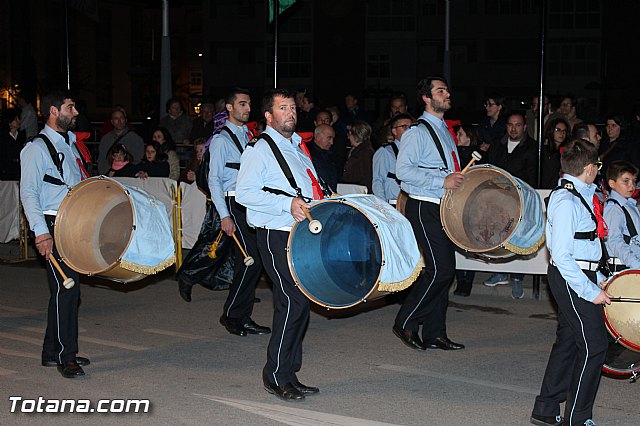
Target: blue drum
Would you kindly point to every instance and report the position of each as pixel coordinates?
(365, 250)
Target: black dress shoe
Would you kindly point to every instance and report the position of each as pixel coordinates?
(286, 392)
(82, 361)
(233, 325)
(443, 343)
(253, 328)
(304, 389)
(257, 300)
(409, 338)
(546, 420)
(185, 290)
(71, 370)
(463, 293)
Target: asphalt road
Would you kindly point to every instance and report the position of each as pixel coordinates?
(146, 343)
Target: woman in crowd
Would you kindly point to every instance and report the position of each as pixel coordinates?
(162, 136)
(154, 163)
(359, 166)
(121, 162)
(467, 143)
(12, 140)
(493, 126)
(617, 145)
(556, 133)
(189, 174)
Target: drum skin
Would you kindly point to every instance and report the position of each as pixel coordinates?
(493, 214)
(94, 227)
(623, 318)
(621, 363)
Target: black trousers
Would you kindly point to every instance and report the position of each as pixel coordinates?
(239, 303)
(61, 336)
(290, 314)
(575, 362)
(428, 297)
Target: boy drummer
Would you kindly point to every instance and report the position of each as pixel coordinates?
(622, 215)
(573, 369)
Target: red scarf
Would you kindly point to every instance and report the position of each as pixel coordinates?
(602, 230)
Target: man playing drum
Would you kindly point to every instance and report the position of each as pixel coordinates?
(43, 186)
(225, 151)
(573, 239)
(427, 166)
(272, 207)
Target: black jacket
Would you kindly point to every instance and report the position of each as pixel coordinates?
(521, 163)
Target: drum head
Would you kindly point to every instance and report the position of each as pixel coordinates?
(484, 213)
(621, 362)
(94, 226)
(340, 266)
(623, 318)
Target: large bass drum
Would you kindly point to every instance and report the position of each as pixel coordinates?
(365, 250)
(114, 231)
(623, 323)
(493, 214)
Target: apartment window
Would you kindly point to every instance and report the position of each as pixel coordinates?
(294, 60)
(574, 14)
(577, 59)
(378, 65)
(397, 16)
(511, 7)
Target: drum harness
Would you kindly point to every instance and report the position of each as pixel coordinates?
(287, 173)
(395, 149)
(630, 227)
(603, 265)
(438, 144)
(58, 159)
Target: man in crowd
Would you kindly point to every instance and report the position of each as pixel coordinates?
(320, 149)
(120, 134)
(385, 182)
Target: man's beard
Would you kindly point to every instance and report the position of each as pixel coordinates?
(440, 107)
(65, 123)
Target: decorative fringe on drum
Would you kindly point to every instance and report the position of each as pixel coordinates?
(148, 270)
(401, 285)
(524, 251)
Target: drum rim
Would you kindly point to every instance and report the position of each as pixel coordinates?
(374, 287)
(610, 327)
(519, 221)
(86, 182)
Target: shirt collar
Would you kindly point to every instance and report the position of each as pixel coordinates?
(580, 186)
(295, 138)
(622, 200)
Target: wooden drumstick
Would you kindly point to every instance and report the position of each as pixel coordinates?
(314, 225)
(476, 156)
(624, 299)
(248, 260)
(68, 282)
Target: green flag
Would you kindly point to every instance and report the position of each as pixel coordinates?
(282, 6)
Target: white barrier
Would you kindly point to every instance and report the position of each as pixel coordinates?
(9, 210)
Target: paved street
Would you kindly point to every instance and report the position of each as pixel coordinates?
(144, 342)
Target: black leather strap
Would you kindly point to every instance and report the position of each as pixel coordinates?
(234, 138)
(434, 136)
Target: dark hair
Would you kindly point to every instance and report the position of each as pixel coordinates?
(172, 101)
(119, 108)
(581, 131)
(471, 131)
(619, 119)
(118, 148)
(10, 114)
(571, 97)
(199, 141)
(620, 167)
(168, 140)
(398, 95)
(549, 131)
(498, 99)
(55, 99)
(576, 155)
(233, 94)
(426, 84)
(404, 116)
(269, 97)
(513, 112)
(160, 154)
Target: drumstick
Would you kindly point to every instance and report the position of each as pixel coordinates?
(314, 225)
(624, 299)
(248, 260)
(476, 156)
(68, 282)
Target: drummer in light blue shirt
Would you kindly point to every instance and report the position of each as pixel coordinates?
(623, 242)
(273, 205)
(225, 152)
(385, 182)
(581, 344)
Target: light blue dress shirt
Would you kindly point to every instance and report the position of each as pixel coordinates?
(223, 150)
(259, 169)
(419, 164)
(566, 215)
(384, 162)
(629, 254)
(38, 196)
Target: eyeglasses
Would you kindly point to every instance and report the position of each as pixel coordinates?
(402, 126)
(559, 129)
(598, 165)
(489, 104)
(568, 104)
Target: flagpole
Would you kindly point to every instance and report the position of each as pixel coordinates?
(276, 12)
